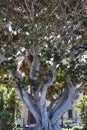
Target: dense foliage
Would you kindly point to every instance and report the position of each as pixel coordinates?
(9, 104)
(59, 36)
(79, 128)
(83, 110)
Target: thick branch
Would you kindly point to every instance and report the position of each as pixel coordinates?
(30, 105)
(50, 76)
(69, 98)
(51, 105)
(81, 86)
(2, 59)
(60, 101)
(24, 96)
(49, 83)
(34, 67)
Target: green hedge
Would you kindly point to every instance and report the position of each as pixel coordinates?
(79, 128)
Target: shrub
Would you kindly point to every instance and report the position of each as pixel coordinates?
(8, 104)
(83, 109)
(68, 122)
(84, 128)
(77, 128)
(6, 121)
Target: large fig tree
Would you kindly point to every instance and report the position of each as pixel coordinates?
(43, 48)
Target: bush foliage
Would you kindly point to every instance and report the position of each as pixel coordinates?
(79, 128)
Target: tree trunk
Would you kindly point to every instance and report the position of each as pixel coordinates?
(48, 126)
(45, 119)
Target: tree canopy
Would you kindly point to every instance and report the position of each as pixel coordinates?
(43, 49)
